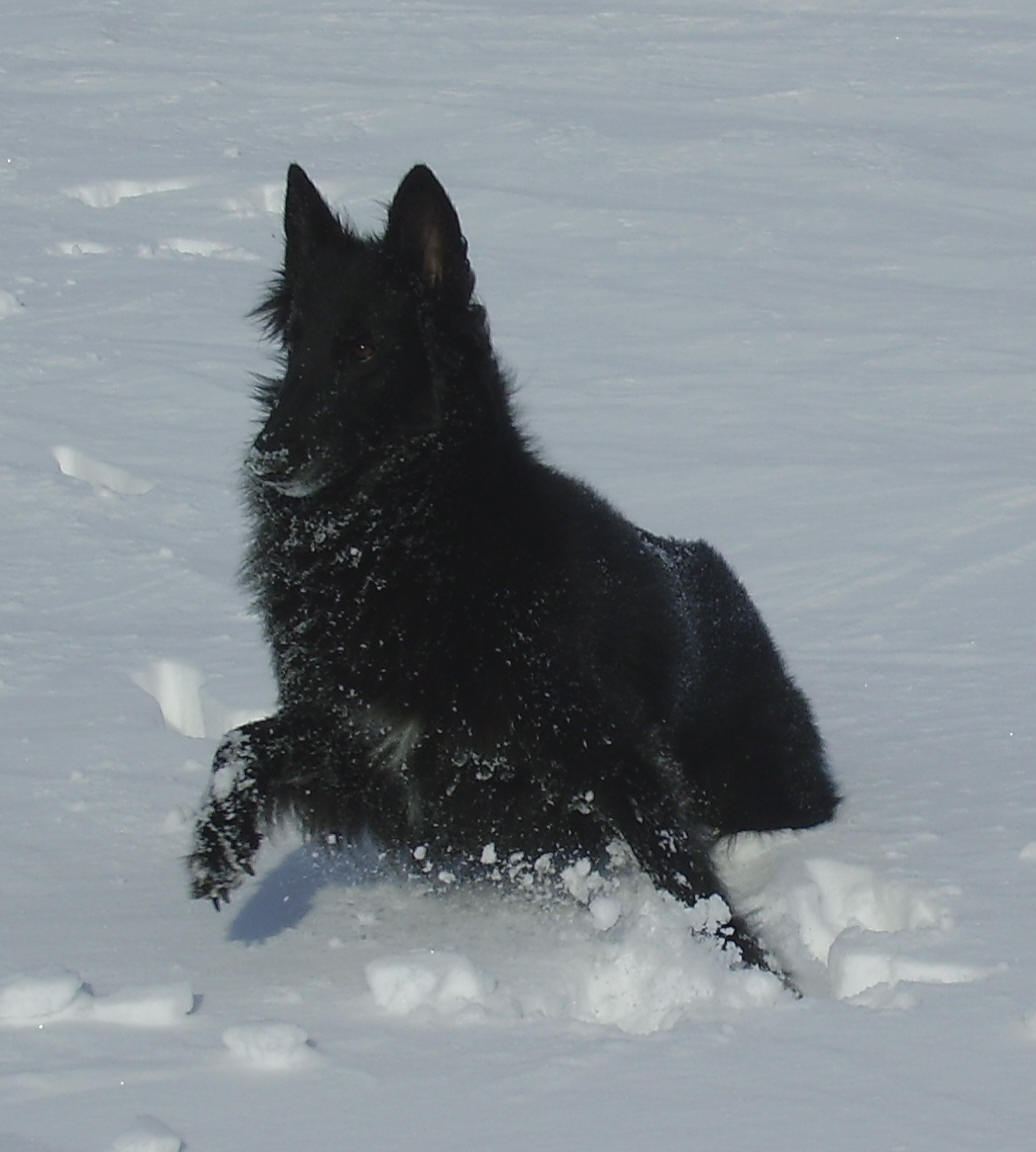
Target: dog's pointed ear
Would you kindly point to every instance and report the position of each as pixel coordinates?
(308, 222)
(423, 233)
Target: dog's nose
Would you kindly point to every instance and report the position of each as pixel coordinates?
(266, 464)
(276, 469)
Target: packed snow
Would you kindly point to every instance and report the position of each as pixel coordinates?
(765, 275)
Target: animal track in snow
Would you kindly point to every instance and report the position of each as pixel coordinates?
(98, 474)
(266, 199)
(78, 248)
(177, 689)
(108, 193)
(183, 246)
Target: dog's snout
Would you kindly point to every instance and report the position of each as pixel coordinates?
(264, 462)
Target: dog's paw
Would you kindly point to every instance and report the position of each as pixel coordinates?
(227, 835)
(221, 859)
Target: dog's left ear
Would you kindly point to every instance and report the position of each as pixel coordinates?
(423, 232)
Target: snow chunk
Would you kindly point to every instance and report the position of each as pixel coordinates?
(272, 1045)
(1030, 1025)
(635, 959)
(177, 689)
(78, 248)
(97, 473)
(663, 964)
(859, 931)
(108, 193)
(59, 993)
(833, 897)
(861, 961)
(34, 996)
(444, 983)
(605, 911)
(148, 1135)
(188, 246)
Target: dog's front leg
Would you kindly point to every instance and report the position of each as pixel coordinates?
(257, 772)
(229, 828)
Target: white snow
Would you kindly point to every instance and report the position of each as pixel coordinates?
(446, 983)
(271, 1045)
(147, 1135)
(56, 993)
(32, 996)
(9, 305)
(80, 466)
(158, 1006)
(765, 275)
(109, 193)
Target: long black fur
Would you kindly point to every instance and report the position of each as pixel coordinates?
(472, 648)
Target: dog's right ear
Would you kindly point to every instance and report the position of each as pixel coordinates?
(308, 222)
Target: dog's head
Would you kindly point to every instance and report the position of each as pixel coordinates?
(372, 328)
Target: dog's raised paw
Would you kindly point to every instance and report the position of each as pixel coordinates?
(220, 860)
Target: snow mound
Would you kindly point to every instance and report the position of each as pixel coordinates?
(189, 246)
(271, 1045)
(33, 996)
(1030, 1026)
(625, 956)
(54, 993)
(97, 473)
(430, 982)
(148, 1135)
(664, 964)
(612, 950)
(833, 897)
(868, 962)
(178, 690)
(854, 934)
(109, 193)
(156, 1006)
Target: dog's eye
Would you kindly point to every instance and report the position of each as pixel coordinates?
(358, 350)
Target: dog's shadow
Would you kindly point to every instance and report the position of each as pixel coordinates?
(284, 896)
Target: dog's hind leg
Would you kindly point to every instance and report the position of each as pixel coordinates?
(676, 854)
(260, 771)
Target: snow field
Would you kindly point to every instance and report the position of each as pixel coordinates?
(764, 274)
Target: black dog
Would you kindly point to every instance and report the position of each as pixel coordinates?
(470, 647)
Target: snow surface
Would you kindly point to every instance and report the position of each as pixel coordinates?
(765, 272)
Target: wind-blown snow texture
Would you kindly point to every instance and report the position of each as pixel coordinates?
(766, 275)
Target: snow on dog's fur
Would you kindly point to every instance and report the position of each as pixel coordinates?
(472, 648)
